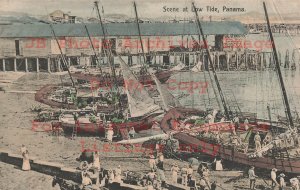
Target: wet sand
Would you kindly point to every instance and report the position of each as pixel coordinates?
(13, 178)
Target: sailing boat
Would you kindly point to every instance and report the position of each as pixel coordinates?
(142, 111)
(282, 152)
(139, 101)
(139, 107)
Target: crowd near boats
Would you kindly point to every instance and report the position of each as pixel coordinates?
(118, 103)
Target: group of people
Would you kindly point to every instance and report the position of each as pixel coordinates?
(156, 178)
(260, 144)
(109, 132)
(90, 172)
(158, 166)
(289, 139)
(186, 174)
(277, 181)
(115, 175)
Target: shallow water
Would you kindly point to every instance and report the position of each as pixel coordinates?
(252, 91)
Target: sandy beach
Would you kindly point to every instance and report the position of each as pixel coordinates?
(15, 130)
(14, 178)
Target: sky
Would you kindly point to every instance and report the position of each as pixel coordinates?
(146, 8)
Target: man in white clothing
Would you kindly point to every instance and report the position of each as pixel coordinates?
(252, 177)
(174, 170)
(281, 181)
(273, 177)
(257, 141)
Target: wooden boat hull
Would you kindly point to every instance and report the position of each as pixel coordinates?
(42, 97)
(291, 165)
(228, 153)
(99, 128)
(43, 93)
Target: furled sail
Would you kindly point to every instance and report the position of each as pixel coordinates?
(169, 101)
(139, 101)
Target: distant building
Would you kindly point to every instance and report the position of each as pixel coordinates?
(61, 17)
(105, 20)
(93, 20)
(131, 20)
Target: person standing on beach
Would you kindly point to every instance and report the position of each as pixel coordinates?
(273, 177)
(189, 174)
(252, 177)
(184, 174)
(160, 171)
(152, 162)
(174, 170)
(26, 164)
(111, 176)
(281, 181)
(96, 160)
(118, 176)
(206, 175)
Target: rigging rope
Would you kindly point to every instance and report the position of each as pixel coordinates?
(207, 89)
(212, 82)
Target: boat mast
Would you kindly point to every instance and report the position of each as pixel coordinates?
(100, 18)
(63, 57)
(211, 64)
(104, 44)
(138, 26)
(96, 57)
(285, 98)
(211, 80)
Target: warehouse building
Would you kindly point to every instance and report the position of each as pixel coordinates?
(32, 47)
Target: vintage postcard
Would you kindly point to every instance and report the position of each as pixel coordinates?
(149, 94)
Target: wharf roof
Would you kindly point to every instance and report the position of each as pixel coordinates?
(121, 29)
